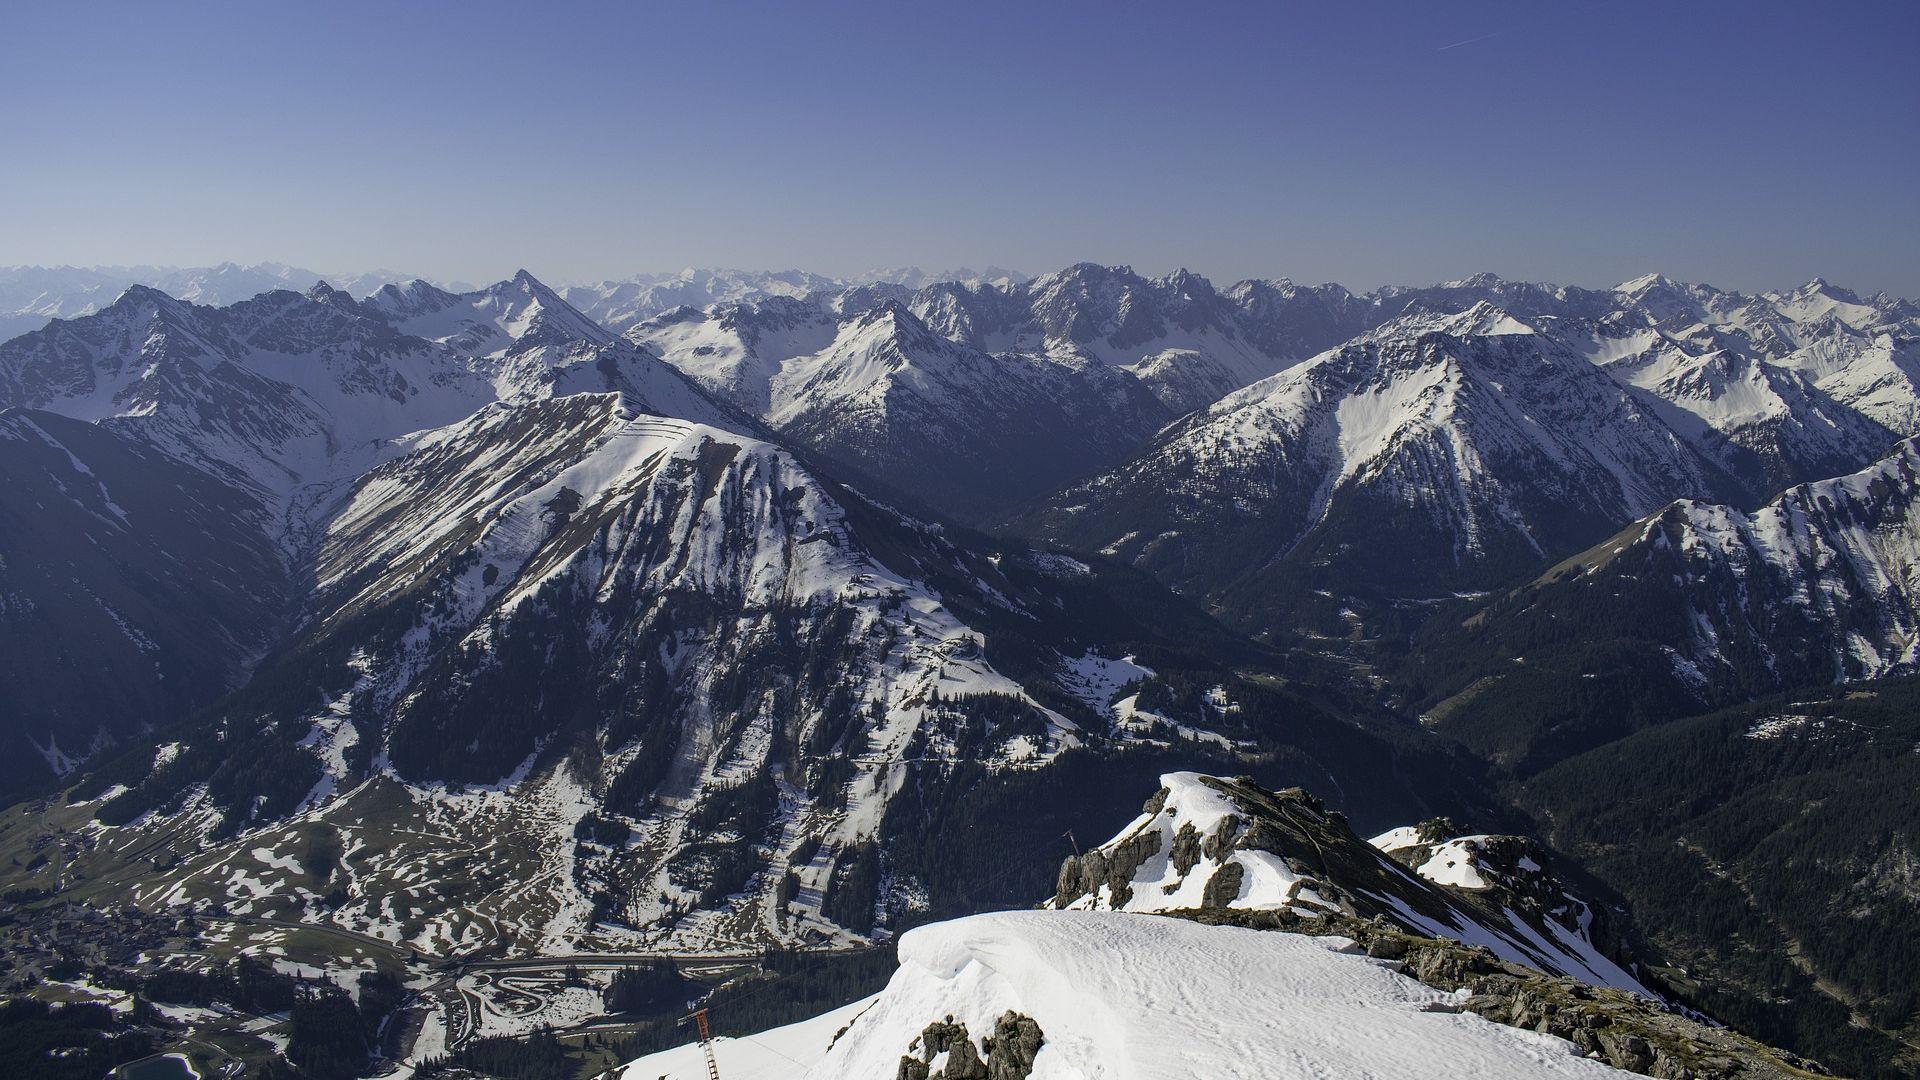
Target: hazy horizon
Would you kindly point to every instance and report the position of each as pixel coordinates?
(1583, 145)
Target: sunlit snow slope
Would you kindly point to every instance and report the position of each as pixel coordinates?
(1122, 997)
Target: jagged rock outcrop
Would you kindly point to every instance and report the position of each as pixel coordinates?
(946, 1051)
(1208, 843)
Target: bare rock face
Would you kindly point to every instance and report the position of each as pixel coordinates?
(1113, 868)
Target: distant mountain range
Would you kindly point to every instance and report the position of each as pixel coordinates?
(1348, 454)
(31, 296)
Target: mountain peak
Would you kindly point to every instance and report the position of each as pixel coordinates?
(1647, 283)
(416, 297)
(1820, 286)
(143, 294)
(1487, 319)
(320, 292)
(1188, 284)
(524, 283)
(899, 322)
(1485, 279)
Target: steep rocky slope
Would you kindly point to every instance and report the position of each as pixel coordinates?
(1203, 843)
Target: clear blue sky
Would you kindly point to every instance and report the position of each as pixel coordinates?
(1752, 145)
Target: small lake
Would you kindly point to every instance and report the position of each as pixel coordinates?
(167, 1067)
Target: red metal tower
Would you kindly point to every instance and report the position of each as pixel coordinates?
(699, 1019)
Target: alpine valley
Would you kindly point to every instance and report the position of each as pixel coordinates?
(404, 678)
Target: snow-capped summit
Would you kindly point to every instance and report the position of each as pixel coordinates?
(616, 622)
(913, 277)
(1176, 333)
(1775, 425)
(414, 298)
(1820, 300)
(273, 403)
(277, 391)
(1670, 303)
(968, 431)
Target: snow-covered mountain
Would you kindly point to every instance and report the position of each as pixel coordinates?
(255, 414)
(674, 680)
(517, 552)
(1435, 453)
(968, 432)
(528, 581)
(1773, 424)
(1456, 449)
(1203, 843)
(1769, 390)
(286, 389)
(980, 397)
(1187, 342)
(873, 389)
(32, 296)
(518, 313)
(913, 277)
(621, 303)
(1816, 586)
(1489, 441)
(459, 619)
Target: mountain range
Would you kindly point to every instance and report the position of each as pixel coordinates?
(723, 610)
(485, 543)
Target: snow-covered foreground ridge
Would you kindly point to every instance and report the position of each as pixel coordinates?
(1203, 842)
(1125, 997)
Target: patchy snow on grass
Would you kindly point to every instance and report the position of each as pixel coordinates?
(277, 861)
